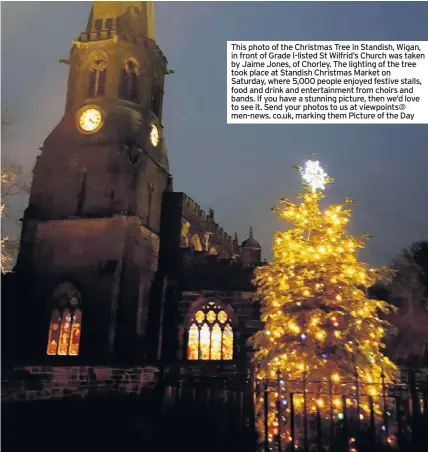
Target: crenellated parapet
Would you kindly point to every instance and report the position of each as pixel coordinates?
(200, 232)
(187, 226)
(126, 22)
(86, 39)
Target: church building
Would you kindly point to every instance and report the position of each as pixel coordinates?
(115, 268)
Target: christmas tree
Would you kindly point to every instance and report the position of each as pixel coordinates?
(320, 327)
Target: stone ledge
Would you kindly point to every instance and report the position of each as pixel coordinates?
(48, 382)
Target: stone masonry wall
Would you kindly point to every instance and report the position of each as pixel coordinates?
(47, 382)
(196, 222)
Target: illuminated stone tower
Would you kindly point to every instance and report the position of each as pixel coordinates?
(90, 234)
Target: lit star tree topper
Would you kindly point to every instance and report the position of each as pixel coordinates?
(319, 323)
(314, 176)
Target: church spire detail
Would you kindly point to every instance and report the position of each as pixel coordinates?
(113, 63)
(135, 18)
(251, 242)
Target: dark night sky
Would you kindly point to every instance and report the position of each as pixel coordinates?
(238, 170)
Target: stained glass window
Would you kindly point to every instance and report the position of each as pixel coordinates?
(222, 316)
(199, 316)
(210, 334)
(227, 349)
(75, 333)
(64, 335)
(54, 332)
(66, 322)
(204, 342)
(193, 345)
(211, 316)
(216, 342)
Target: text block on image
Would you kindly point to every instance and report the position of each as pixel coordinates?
(327, 82)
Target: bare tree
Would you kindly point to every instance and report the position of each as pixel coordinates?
(408, 290)
(14, 184)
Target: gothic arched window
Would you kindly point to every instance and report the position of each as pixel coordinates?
(128, 89)
(66, 321)
(97, 77)
(210, 335)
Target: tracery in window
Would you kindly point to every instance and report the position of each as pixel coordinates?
(128, 89)
(210, 334)
(66, 322)
(97, 77)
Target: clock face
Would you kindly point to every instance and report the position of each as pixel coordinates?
(154, 135)
(90, 120)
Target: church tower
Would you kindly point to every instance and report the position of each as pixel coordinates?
(90, 235)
